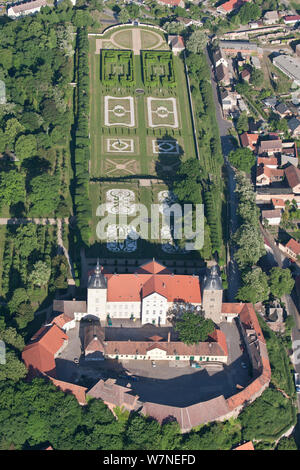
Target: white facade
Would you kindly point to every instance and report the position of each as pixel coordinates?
(154, 309)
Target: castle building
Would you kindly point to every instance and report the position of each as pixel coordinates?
(145, 295)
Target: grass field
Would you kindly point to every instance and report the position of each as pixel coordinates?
(139, 157)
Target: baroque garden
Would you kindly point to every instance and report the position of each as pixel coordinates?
(140, 131)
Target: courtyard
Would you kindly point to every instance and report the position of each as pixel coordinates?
(173, 383)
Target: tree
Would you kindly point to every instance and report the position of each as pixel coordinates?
(44, 195)
(249, 12)
(13, 369)
(193, 328)
(124, 16)
(242, 123)
(287, 443)
(250, 245)
(255, 286)
(12, 129)
(197, 41)
(243, 159)
(12, 188)
(187, 185)
(40, 274)
(25, 146)
(257, 77)
(281, 282)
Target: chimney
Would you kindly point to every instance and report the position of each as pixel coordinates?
(169, 336)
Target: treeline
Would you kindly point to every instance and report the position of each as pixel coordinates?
(210, 152)
(36, 64)
(248, 238)
(41, 415)
(82, 203)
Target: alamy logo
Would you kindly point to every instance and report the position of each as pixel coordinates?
(128, 221)
(2, 353)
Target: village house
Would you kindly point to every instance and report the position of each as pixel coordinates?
(245, 75)
(269, 147)
(294, 126)
(249, 140)
(222, 75)
(23, 9)
(172, 3)
(230, 5)
(289, 154)
(270, 162)
(228, 101)
(114, 395)
(177, 44)
(292, 174)
(189, 21)
(291, 19)
(266, 176)
(283, 110)
(292, 249)
(278, 203)
(273, 217)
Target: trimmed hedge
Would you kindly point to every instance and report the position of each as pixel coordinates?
(111, 61)
(163, 60)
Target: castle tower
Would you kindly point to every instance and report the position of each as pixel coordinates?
(212, 295)
(97, 293)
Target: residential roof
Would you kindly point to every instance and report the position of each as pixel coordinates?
(281, 108)
(171, 2)
(231, 5)
(222, 73)
(267, 161)
(269, 172)
(292, 18)
(269, 145)
(39, 353)
(293, 176)
(249, 140)
(278, 203)
(271, 214)
(293, 124)
(294, 246)
(245, 73)
(28, 6)
(176, 41)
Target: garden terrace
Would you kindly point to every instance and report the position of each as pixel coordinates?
(117, 68)
(158, 69)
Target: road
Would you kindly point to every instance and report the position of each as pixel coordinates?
(227, 146)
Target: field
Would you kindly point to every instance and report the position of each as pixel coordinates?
(138, 137)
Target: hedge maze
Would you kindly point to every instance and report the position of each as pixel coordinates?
(117, 68)
(158, 69)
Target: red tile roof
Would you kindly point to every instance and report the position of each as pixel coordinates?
(294, 246)
(267, 161)
(292, 18)
(231, 5)
(249, 140)
(278, 203)
(39, 353)
(247, 446)
(153, 277)
(113, 394)
(76, 390)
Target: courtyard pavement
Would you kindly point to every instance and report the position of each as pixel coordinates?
(171, 383)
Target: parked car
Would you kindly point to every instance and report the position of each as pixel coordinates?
(153, 364)
(76, 360)
(244, 366)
